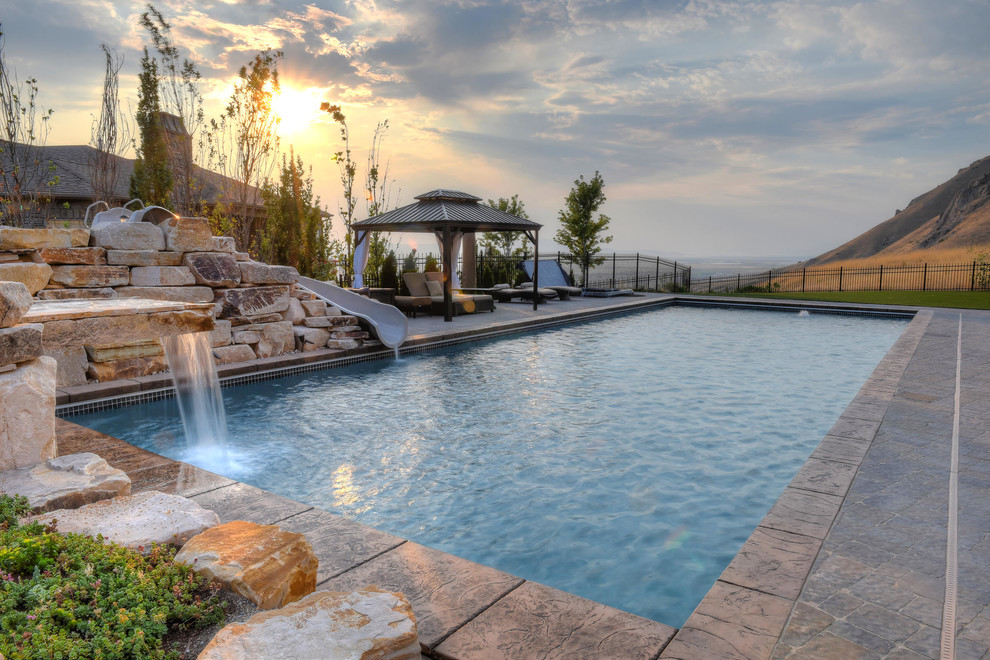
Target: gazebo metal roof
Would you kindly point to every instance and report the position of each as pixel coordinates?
(444, 213)
(440, 208)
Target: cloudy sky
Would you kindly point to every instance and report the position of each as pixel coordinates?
(720, 128)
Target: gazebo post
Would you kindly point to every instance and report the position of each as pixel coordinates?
(448, 298)
(536, 268)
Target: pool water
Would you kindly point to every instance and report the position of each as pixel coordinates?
(625, 460)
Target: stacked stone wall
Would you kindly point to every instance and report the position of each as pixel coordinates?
(259, 309)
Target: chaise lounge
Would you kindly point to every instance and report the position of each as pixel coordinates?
(430, 285)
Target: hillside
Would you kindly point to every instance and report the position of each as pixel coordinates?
(955, 214)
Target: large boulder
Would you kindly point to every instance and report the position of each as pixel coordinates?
(187, 234)
(143, 258)
(128, 236)
(224, 244)
(90, 276)
(13, 238)
(253, 272)
(314, 307)
(267, 339)
(362, 625)
(21, 343)
(233, 353)
(310, 339)
(214, 269)
(265, 564)
(91, 256)
(27, 416)
(72, 365)
(66, 482)
(252, 301)
(34, 276)
(108, 352)
(74, 294)
(220, 336)
(132, 367)
(137, 521)
(15, 301)
(295, 312)
(162, 276)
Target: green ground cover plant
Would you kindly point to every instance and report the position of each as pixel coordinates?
(953, 299)
(73, 597)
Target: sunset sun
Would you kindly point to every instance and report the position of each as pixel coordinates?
(296, 109)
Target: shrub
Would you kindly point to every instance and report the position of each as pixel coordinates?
(73, 596)
(431, 265)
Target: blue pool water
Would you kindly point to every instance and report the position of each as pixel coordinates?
(625, 460)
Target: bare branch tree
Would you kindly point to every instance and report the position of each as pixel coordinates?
(110, 134)
(27, 179)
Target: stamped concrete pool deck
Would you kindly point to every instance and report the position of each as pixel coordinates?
(850, 562)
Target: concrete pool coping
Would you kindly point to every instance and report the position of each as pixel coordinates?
(468, 610)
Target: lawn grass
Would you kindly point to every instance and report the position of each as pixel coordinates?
(955, 299)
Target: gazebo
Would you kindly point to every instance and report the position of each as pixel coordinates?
(449, 215)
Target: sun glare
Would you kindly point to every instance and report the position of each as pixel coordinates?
(296, 109)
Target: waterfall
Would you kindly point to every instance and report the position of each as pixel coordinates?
(197, 390)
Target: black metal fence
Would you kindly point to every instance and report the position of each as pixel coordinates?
(973, 276)
(615, 271)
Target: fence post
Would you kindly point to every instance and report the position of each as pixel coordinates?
(613, 270)
(709, 284)
(924, 278)
(738, 282)
(881, 278)
(972, 279)
(637, 271)
(675, 273)
(840, 279)
(804, 271)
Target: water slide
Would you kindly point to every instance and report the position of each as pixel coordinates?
(389, 323)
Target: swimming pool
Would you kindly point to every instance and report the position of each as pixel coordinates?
(625, 460)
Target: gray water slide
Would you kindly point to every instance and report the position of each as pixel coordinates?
(389, 323)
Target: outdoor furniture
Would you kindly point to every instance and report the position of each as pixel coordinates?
(543, 294)
(608, 293)
(463, 304)
(385, 295)
(552, 276)
(413, 304)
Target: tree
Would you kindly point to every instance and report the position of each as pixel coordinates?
(348, 172)
(178, 94)
(152, 180)
(109, 134)
(297, 230)
(27, 179)
(503, 243)
(580, 233)
(243, 144)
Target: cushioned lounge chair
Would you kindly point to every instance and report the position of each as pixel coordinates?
(419, 285)
(552, 276)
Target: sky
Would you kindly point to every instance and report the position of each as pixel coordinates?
(720, 128)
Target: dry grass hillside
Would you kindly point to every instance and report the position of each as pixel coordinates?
(945, 225)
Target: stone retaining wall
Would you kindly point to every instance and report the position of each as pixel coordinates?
(259, 309)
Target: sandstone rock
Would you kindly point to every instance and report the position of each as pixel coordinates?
(72, 365)
(187, 234)
(92, 256)
(162, 276)
(12, 238)
(318, 321)
(215, 269)
(108, 352)
(252, 301)
(15, 301)
(257, 318)
(234, 353)
(221, 334)
(133, 367)
(310, 339)
(143, 258)
(314, 307)
(21, 343)
(263, 563)
(128, 236)
(80, 236)
(137, 521)
(333, 311)
(349, 334)
(27, 416)
(253, 272)
(242, 256)
(224, 244)
(363, 625)
(343, 344)
(66, 482)
(90, 276)
(203, 294)
(275, 338)
(295, 313)
(245, 337)
(124, 329)
(75, 294)
(33, 276)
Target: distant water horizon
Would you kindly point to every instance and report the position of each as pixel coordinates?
(720, 266)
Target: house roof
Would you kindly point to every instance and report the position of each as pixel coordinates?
(446, 208)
